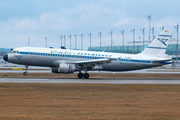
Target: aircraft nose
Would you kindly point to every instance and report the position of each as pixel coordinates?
(5, 57)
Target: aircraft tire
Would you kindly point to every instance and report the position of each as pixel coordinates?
(24, 73)
(86, 75)
(80, 75)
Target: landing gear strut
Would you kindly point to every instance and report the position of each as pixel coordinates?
(25, 73)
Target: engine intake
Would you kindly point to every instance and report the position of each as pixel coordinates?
(64, 68)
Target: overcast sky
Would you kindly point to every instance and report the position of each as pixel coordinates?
(53, 18)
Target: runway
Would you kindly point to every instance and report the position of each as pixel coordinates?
(89, 81)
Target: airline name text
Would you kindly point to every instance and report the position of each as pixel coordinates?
(82, 54)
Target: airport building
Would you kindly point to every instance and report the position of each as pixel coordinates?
(138, 48)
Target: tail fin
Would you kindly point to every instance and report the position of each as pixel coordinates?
(159, 45)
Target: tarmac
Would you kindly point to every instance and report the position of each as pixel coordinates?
(89, 81)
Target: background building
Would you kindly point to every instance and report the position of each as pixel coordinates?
(138, 48)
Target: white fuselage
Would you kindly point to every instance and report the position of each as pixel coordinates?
(48, 57)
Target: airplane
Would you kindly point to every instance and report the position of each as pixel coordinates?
(69, 61)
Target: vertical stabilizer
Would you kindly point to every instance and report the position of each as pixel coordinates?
(159, 45)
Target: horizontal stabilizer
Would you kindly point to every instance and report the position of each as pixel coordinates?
(159, 61)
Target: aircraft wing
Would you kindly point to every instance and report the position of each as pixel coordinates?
(89, 64)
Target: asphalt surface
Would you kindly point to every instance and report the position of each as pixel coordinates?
(91, 80)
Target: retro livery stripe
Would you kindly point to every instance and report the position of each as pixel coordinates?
(164, 35)
(157, 48)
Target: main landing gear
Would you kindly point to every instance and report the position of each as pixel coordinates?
(25, 73)
(85, 75)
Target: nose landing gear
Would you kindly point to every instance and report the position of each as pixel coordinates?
(25, 73)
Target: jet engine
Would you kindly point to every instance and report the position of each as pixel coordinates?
(64, 68)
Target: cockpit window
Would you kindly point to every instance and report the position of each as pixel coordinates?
(14, 51)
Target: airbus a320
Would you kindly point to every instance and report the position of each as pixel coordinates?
(68, 61)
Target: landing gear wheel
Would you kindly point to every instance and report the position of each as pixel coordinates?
(24, 73)
(86, 75)
(80, 75)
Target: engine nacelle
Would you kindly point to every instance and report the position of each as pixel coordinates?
(64, 68)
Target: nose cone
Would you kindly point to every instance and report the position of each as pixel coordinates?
(5, 57)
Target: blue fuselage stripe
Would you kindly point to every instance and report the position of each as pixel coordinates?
(89, 57)
(165, 35)
(85, 57)
(157, 48)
